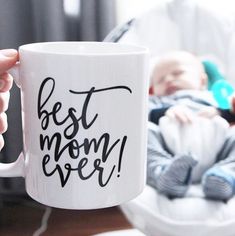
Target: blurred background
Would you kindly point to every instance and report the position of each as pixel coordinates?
(27, 21)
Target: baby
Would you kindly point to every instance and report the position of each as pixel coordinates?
(179, 84)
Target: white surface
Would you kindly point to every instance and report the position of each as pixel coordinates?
(154, 214)
(130, 232)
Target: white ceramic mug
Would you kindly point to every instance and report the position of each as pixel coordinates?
(84, 114)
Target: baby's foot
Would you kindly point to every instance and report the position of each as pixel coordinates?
(218, 184)
(175, 178)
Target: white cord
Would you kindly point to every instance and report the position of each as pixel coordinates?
(44, 222)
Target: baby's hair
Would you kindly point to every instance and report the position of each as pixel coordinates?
(174, 55)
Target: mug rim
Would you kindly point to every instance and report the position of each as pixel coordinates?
(98, 48)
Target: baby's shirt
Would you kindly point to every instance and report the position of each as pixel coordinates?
(193, 99)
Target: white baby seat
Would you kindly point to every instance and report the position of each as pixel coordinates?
(189, 25)
(157, 215)
(195, 27)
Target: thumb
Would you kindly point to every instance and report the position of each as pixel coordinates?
(8, 58)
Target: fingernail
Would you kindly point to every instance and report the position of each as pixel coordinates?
(8, 52)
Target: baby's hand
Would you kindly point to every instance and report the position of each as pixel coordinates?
(181, 113)
(8, 58)
(208, 112)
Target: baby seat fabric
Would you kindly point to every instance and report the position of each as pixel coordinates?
(156, 215)
(194, 27)
(189, 25)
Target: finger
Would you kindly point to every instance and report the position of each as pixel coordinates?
(209, 112)
(3, 123)
(6, 82)
(177, 114)
(203, 114)
(190, 116)
(1, 142)
(181, 117)
(4, 101)
(170, 114)
(8, 58)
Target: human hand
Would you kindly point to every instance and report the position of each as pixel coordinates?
(233, 104)
(8, 58)
(181, 113)
(208, 112)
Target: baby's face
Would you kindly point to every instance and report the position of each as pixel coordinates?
(173, 75)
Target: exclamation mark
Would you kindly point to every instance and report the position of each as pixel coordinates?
(120, 155)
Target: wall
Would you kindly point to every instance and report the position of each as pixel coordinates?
(127, 9)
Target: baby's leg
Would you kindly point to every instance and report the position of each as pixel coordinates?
(174, 179)
(219, 181)
(167, 173)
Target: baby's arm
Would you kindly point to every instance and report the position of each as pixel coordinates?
(227, 114)
(179, 112)
(209, 112)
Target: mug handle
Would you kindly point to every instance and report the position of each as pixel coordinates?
(16, 168)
